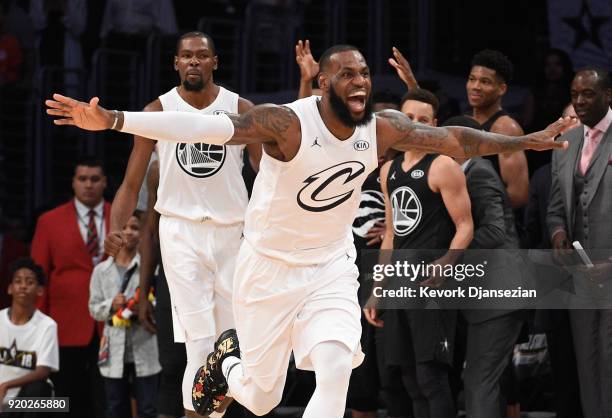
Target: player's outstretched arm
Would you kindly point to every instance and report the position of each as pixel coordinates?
(261, 124)
(396, 130)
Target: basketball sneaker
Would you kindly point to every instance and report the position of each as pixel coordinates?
(210, 386)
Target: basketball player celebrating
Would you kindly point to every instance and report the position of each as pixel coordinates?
(295, 285)
(199, 235)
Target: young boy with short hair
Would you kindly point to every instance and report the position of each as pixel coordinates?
(128, 352)
(29, 349)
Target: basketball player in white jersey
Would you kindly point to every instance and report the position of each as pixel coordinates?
(202, 200)
(295, 286)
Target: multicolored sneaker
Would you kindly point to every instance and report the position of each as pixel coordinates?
(209, 386)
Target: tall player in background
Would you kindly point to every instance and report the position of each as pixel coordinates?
(296, 283)
(487, 83)
(202, 199)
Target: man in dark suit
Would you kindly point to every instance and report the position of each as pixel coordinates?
(67, 244)
(579, 210)
(491, 334)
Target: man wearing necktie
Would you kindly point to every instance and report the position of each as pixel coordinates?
(67, 244)
(580, 209)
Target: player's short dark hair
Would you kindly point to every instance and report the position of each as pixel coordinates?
(422, 95)
(27, 263)
(603, 75)
(325, 59)
(89, 161)
(496, 61)
(196, 34)
(386, 96)
(466, 121)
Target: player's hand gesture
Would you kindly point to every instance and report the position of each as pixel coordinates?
(544, 140)
(87, 116)
(402, 66)
(309, 68)
(113, 242)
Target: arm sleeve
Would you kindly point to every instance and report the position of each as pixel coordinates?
(184, 127)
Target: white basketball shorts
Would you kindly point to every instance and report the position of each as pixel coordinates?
(199, 261)
(279, 308)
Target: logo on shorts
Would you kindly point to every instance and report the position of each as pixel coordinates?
(361, 145)
(417, 174)
(407, 210)
(331, 187)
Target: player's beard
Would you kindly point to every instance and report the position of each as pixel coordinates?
(197, 86)
(344, 114)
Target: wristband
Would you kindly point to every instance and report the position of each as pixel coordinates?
(116, 113)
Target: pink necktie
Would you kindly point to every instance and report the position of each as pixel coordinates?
(591, 140)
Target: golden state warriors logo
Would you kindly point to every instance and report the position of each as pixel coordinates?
(407, 210)
(200, 160)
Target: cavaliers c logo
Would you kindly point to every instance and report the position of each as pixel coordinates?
(329, 188)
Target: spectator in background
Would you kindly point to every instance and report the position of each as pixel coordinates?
(487, 83)
(128, 352)
(127, 24)
(67, 244)
(491, 333)
(28, 341)
(10, 54)
(421, 341)
(579, 210)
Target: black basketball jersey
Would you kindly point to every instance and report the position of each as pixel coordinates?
(420, 218)
(486, 126)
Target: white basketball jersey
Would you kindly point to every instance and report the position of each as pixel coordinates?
(301, 211)
(201, 182)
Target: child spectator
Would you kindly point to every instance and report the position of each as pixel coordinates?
(29, 350)
(128, 352)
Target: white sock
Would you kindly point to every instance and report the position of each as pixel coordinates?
(215, 414)
(233, 364)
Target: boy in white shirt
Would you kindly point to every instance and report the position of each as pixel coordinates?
(29, 349)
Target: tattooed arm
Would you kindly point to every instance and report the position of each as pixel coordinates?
(266, 123)
(395, 130)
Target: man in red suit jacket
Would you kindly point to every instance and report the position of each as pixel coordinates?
(67, 244)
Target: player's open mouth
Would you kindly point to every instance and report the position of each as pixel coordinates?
(356, 102)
